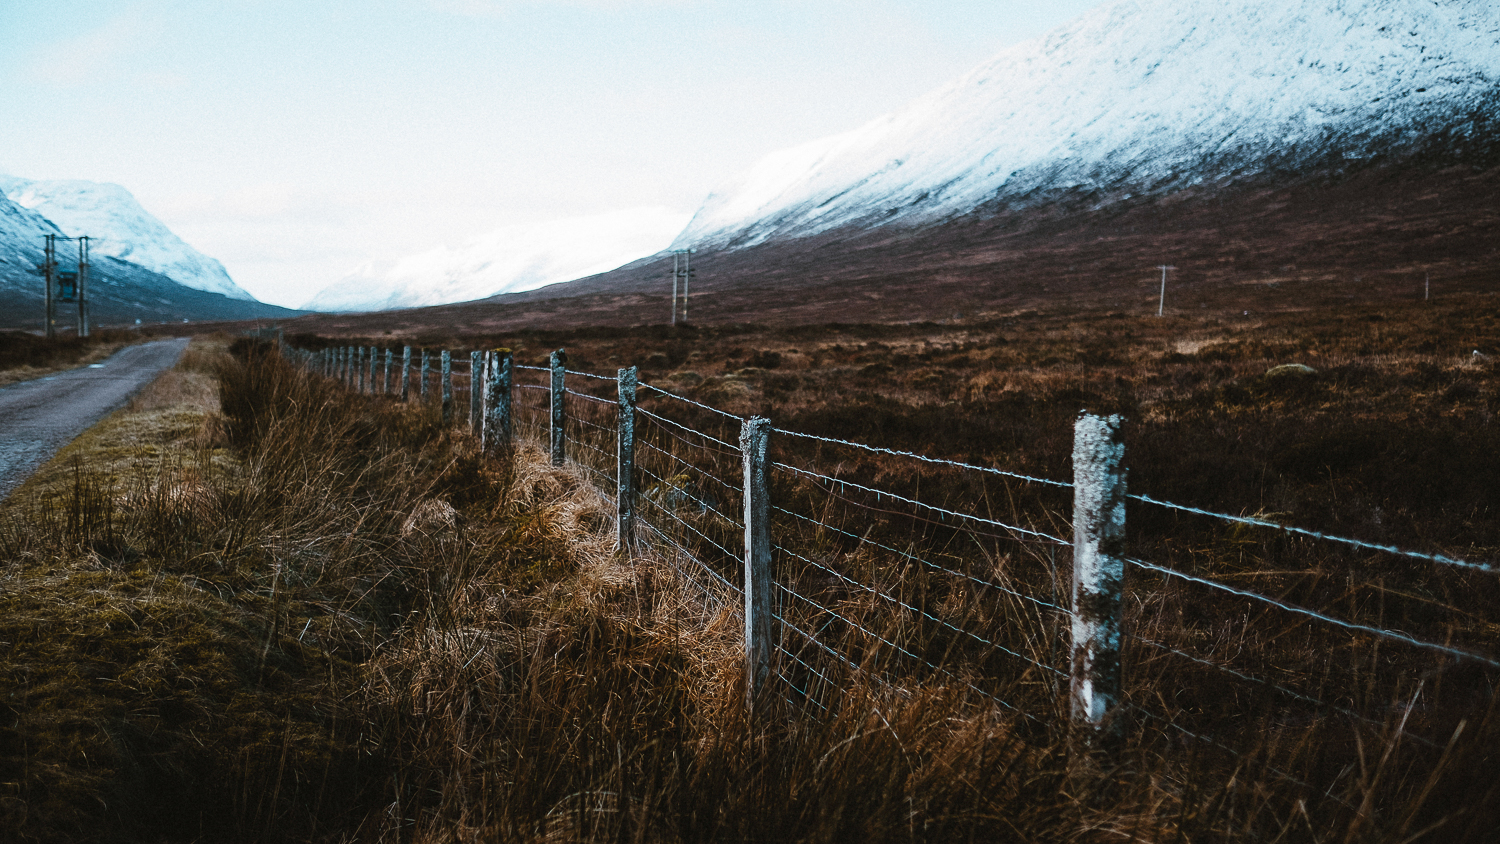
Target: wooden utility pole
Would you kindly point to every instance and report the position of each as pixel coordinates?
(1161, 305)
(681, 269)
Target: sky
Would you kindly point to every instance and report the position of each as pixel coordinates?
(296, 139)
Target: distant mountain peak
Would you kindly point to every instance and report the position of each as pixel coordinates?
(508, 259)
(119, 227)
(1135, 97)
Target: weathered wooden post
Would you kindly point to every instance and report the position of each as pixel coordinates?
(371, 367)
(445, 369)
(497, 426)
(476, 393)
(406, 373)
(755, 435)
(559, 365)
(344, 365)
(359, 369)
(1098, 577)
(424, 376)
(625, 461)
(385, 384)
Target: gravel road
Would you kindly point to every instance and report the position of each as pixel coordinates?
(39, 417)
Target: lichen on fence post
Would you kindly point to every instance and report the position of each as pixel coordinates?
(755, 436)
(498, 369)
(445, 367)
(406, 373)
(385, 384)
(1098, 577)
(626, 382)
(559, 366)
(476, 389)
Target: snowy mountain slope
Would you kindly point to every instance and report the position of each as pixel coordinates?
(508, 259)
(1139, 96)
(119, 227)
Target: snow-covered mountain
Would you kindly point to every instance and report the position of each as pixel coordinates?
(119, 227)
(1137, 97)
(509, 259)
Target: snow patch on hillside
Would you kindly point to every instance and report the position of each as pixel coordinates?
(506, 260)
(1139, 95)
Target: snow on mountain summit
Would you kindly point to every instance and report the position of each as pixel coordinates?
(506, 260)
(119, 227)
(1136, 96)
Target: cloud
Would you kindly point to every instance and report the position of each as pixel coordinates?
(499, 8)
(90, 56)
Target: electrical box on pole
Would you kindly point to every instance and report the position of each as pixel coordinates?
(66, 285)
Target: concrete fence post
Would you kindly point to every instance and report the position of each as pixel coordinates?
(559, 365)
(445, 368)
(1098, 575)
(385, 384)
(497, 426)
(423, 376)
(406, 373)
(755, 435)
(625, 460)
(476, 392)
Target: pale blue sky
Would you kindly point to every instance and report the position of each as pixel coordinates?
(293, 139)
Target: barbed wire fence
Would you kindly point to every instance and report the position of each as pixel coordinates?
(895, 571)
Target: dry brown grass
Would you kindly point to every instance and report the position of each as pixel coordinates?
(357, 627)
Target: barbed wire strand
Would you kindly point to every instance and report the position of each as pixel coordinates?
(925, 459)
(1357, 543)
(715, 478)
(856, 625)
(1348, 625)
(865, 540)
(900, 603)
(891, 495)
(592, 375)
(699, 501)
(1346, 712)
(689, 554)
(733, 449)
(724, 414)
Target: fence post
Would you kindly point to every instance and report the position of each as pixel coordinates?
(755, 436)
(406, 373)
(359, 369)
(344, 365)
(385, 382)
(625, 461)
(423, 376)
(476, 386)
(496, 434)
(559, 365)
(371, 367)
(1098, 575)
(446, 369)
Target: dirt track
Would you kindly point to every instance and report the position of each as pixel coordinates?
(39, 417)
